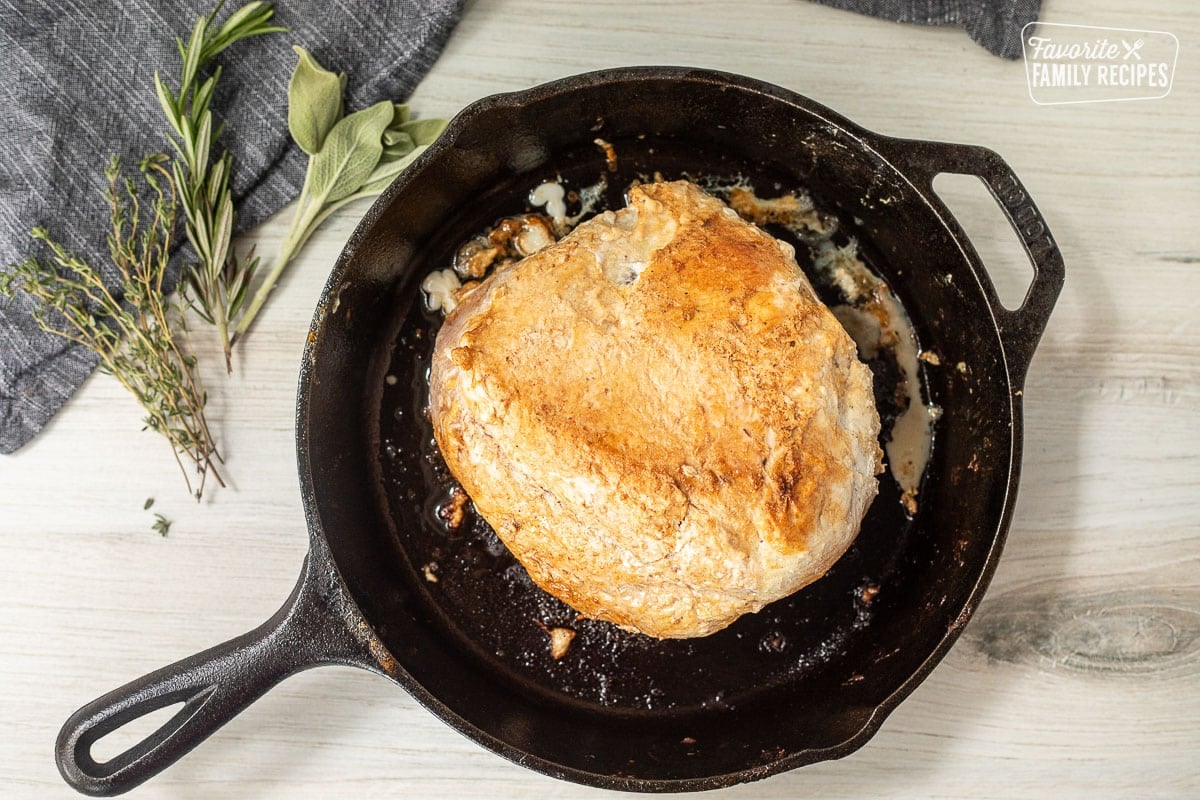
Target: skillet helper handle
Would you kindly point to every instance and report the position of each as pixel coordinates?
(212, 686)
(1020, 328)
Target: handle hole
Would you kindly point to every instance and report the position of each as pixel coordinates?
(980, 215)
(132, 733)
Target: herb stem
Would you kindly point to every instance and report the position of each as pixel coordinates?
(304, 222)
(216, 284)
(351, 157)
(138, 338)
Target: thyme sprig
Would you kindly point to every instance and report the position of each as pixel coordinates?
(137, 332)
(217, 283)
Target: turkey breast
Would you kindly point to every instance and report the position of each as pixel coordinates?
(658, 416)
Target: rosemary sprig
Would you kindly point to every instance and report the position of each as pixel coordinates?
(216, 285)
(138, 333)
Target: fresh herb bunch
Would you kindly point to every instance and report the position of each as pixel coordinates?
(217, 284)
(351, 157)
(138, 333)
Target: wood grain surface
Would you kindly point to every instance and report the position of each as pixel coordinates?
(1080, 674)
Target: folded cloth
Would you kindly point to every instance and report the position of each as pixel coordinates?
(995, 24)
(76, 87)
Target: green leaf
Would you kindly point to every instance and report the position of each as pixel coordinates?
(167, 101)
(203, 95)
(192, 51)
(403, 136)
(350, 152)
(177, 172)
(239, 17)
(199, 238)
(392, 152)
(223, 234)
(424, 131)
(395, 136)
(217, 178)
(383, 174)
(189, 145)
(314, 102)
(250, 20)
(203, 140)
(240, 284)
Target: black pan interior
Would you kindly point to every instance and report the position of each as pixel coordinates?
(802, 680)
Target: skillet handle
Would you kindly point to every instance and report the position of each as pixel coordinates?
(1020, 328)
(213, 687)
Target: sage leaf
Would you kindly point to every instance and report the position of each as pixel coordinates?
(424, 131)
(314, 102)
(400, 148)
(403, 136)
(349, 154)
(399, 117)
(359, 156)
(383, 175)
(393, 136)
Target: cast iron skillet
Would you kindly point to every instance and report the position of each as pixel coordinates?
(809, 678)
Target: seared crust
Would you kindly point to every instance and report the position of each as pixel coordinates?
(658, 416)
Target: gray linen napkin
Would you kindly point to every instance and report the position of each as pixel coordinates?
(76, 87)
(995, 24)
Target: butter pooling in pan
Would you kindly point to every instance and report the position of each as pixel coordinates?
(876, 321)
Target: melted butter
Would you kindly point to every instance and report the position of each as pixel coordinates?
(589, 199)
(551, 196)
(532, 238)
(441, 288)
(876, 321)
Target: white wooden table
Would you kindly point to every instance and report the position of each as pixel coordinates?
(1080, 675)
